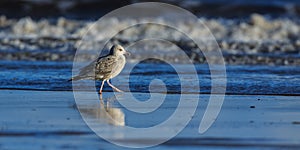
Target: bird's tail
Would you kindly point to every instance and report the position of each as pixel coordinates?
(75, 78)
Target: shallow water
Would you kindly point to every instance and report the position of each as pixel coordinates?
(53, 76)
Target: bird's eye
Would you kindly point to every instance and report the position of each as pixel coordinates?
(120, 49)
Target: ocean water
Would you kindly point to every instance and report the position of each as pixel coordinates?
(241, 80)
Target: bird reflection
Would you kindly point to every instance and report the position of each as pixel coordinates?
(105, 112)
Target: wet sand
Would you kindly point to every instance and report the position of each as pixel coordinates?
(51, 120)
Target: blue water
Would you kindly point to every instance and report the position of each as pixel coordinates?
(53, 76)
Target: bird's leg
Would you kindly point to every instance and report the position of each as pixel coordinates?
(100, 97)
(100, 91)
(118, 90)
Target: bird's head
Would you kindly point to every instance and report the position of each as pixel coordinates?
(118, 50)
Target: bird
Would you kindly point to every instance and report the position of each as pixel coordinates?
(105, 67)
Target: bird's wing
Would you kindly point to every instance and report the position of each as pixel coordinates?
(105, 65)
(102, 66)
(85, 71)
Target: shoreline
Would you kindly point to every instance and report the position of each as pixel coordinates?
(175, 93)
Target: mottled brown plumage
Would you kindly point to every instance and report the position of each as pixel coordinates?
(104, 68)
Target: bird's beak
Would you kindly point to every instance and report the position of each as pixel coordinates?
(127, 53)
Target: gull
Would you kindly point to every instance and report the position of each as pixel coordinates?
(104, 68)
